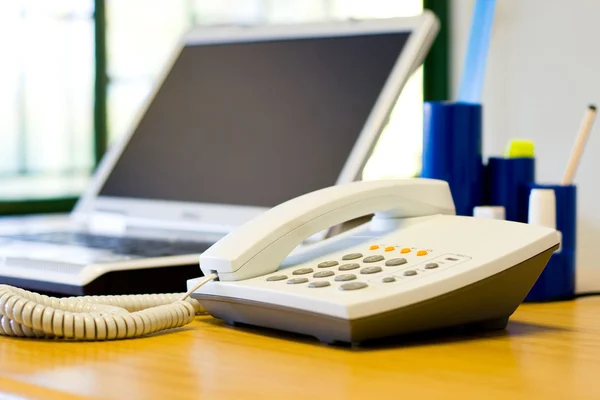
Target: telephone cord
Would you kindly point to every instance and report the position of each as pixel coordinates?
(28, 314)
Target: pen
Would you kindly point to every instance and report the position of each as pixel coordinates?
(584, 130)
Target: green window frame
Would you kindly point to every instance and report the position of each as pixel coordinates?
(436, 68)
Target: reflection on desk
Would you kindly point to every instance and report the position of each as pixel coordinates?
(548, 351)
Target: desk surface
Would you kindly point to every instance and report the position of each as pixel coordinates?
(548, 351)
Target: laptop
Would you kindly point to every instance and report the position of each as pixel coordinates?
(242, 119)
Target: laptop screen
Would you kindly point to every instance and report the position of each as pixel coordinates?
(255, 123)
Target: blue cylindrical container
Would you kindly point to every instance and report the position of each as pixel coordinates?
(452, 150)
(557, 281)
(507, 181)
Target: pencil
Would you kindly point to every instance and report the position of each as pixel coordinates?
(580, 141)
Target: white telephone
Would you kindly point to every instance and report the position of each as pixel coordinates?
(414, 266)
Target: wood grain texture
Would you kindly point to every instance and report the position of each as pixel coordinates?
(549, 351)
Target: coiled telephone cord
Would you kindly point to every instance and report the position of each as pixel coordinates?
(28, 314)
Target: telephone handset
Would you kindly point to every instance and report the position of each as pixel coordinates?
(433, 269)
(262, 244)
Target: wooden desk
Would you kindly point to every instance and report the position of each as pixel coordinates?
(549, 351)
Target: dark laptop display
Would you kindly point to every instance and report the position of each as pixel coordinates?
(255, 123)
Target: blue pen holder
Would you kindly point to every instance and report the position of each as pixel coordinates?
(557, 281)
(507, 185)
(452, 150)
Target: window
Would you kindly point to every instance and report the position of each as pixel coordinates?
(46, 75)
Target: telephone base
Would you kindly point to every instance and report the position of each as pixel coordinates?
(484, 305)
(488, 325)
(167, 279)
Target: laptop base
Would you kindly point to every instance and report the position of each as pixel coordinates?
(132, 281)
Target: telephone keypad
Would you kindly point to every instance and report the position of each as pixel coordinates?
(276, 278)
(323, 274)
(403, 264)
(372, 259)
(303, 271)
(370, 270)
(353, 286)
(351, 256)
(319, 284)
(296, 281)
(395, 262)
(327, 264)
(348, 267)
(345, 277)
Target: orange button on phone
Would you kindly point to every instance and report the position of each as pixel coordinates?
(374, 247)
(405, 250)
(422, 252)
(390, 248)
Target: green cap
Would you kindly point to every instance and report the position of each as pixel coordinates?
(519, 148)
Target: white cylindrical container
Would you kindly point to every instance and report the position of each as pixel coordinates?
(542, 208)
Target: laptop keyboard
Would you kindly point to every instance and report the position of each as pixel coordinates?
(118, 245)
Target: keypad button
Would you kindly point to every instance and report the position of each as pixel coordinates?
(410, 272)
(353, 286)
(395, 261)
(374, 247)
(303, 271)
(370, 270)
(451, 259)
(422, 252)
(323, 274)
(405, 250)
(276, 278)
(296, 281)
(390, 248)
(352, 256)
(372, 259)
(388, 279)
(345, 277)
(348, 267)
(318, 284)
(431, 265)
(327, 264)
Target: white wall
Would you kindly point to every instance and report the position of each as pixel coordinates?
(543, 70)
